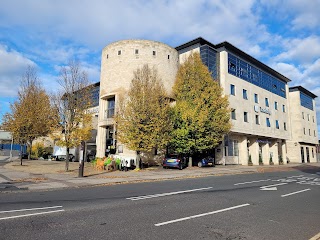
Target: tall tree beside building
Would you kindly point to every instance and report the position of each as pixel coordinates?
(201, 114)
(143, 117)
(32, 115)
(71, 103)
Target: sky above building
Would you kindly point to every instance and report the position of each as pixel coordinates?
(47, 34)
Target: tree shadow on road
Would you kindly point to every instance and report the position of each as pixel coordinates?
(308, 168)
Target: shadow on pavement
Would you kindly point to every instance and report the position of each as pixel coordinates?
(306, 168)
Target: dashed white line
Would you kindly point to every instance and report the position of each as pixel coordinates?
(289, 194)
(296, 176)
(29, 209)
(31, 214)
(273, 185)
(201, 215)
(165, 194)
(265, 180)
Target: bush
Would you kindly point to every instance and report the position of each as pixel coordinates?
(260, 160)
(280, 160)
(37, 150)
(249, 160)
(270, 160)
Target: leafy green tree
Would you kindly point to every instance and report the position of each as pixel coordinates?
(143, 117)
(32, 114)
(71, 102)
(201, 114)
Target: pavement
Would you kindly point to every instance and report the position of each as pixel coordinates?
(14, 180)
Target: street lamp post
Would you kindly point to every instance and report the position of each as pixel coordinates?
(11, 147)
(81, 162)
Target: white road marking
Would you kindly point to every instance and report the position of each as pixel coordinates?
(30, 209)
(268, 189)
(289, 194)
(273, 185)
(316, 237)
(165, 194)
(201, 215)
(296, 176)
(265, 180)
(32, 214)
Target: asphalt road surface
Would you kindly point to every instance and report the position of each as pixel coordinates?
(278, 205)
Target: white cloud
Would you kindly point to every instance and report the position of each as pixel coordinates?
(304, 51)
(13, 65)
(300, 14)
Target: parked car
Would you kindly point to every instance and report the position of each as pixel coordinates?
(206, 161)
(174, 161)
(91, 155)
(63, 157)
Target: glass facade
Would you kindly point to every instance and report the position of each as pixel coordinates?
(249, 73)
(306, 101)
(209, 58)
(95, 96)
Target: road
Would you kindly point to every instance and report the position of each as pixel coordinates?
(278, 205)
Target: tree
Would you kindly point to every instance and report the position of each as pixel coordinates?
(71, 103)
(201, 114)
(32, 115)
(143, 118)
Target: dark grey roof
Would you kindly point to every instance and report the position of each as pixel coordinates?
(238, 52)
(302, 89)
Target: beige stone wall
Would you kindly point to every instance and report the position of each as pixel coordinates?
(302, 120)
(242, 105)
(118, 62)
(185, 53)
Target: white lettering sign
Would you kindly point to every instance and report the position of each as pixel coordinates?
(263, 110)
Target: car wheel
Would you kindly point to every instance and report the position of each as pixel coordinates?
(200, 164)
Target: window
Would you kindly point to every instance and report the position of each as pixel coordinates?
(309, 132)
(233, 114)
(302, 115)
(285, 126)
(245, 116)
(232, 90)
(267, 102)
(136, 51)
(257, 120)
(312, 118)
(110, 110)
(276, 105)
(304, 131)
(308, 117)
(268, 122)
(168, 56)
(119, 52)
(256, 99)
(153, 53)
(283, 108)
(314, 132)
(277, 124)
(245, 94)
(107, 56)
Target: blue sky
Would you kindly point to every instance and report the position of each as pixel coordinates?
(47, 34)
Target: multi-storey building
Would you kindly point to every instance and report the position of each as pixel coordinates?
(304, 132)
(118, 63)
(264, 110)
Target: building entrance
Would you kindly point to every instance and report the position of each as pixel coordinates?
(302, 155)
